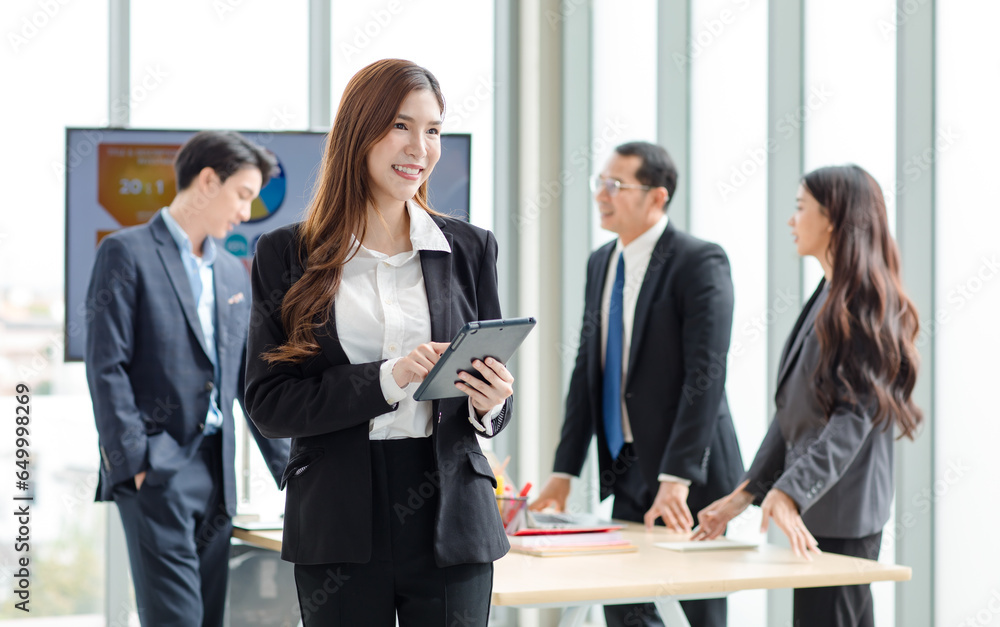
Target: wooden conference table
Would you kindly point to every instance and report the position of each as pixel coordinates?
(653, 574)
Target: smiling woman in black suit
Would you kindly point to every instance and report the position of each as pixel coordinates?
(824, 472)
(390, 506)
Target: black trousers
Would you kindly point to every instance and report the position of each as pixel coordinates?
(838, 606)
(633, 499)
(402, 577)
(178, 543)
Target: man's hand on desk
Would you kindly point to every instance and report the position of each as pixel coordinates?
(713, 519)
(554, 494)
(670, 504)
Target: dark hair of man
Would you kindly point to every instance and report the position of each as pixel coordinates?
(223, 151)
(657, 169)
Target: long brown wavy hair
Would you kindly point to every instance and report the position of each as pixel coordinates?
(339, 207)
(868, 325)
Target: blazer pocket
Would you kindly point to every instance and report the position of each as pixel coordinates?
(299, 463)
(481, 466)
(165, 457)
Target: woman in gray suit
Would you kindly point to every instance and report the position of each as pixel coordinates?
(824, 472)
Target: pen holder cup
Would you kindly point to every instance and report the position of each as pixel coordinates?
(512, 510)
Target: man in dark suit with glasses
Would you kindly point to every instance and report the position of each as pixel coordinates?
(650, 377)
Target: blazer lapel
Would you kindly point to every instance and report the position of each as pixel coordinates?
(803, 325)
(174, 267)
(436, 266)
(658, 262)
(593, 304)
(223, 292)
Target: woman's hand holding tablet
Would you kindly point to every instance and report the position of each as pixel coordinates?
(465, 367)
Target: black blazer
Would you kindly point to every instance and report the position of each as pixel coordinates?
(148, 369)
(838, 471)
(325, 403)
(675, 386)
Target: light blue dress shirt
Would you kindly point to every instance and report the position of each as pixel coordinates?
(201, 277)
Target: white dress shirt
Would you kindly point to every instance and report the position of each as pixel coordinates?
(382, 313)
(637, 256)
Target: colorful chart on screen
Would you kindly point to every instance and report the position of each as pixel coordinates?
(271, 196)
(135, 180)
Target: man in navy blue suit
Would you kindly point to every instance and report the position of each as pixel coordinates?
(168, 312)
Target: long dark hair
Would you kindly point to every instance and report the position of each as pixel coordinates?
(868, 325)
(339, 207)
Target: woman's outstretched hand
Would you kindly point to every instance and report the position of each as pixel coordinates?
(713, 519)
(782, 509)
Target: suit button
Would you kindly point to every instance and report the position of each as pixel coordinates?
(201, 426)
(628, 395)
(209, 386)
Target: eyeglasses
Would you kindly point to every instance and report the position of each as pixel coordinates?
(612, 186)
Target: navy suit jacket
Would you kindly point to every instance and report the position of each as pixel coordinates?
(325, 404)
(675, 384)
(149, 373)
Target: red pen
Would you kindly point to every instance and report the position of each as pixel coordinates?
(524, 490)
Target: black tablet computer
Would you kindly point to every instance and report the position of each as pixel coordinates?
(476, 340)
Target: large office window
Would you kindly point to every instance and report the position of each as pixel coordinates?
(53, 64)
(451, 38)
(232, 65)
(849, 116)
(964, 330)
(226, 65)
(727, 54)
(623, 86)
(849, 99)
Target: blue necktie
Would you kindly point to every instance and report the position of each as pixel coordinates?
(613, 365)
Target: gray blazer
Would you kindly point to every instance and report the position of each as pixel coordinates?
(838, 471)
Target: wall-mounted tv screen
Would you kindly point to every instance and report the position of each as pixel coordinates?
(117, 178)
